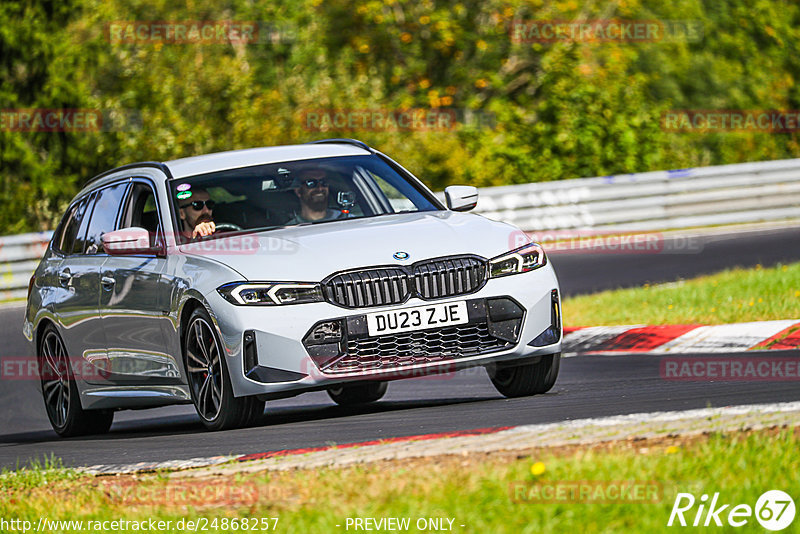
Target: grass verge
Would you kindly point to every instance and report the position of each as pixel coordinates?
(38, 473)
(732, 296)
(476, 491)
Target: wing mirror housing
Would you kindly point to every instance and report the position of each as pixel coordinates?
(130, 241)
(461, 197)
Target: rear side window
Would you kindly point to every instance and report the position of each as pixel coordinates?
(70, 225)
(104, 216)
(79, 243)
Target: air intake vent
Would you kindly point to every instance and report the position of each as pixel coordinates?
(413, 348)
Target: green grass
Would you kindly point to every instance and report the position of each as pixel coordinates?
(474, 491)
(733, 296)
(38, 473)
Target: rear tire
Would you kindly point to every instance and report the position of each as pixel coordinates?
(209, 382)
(60, 392)
(526, 380)
(357, 394)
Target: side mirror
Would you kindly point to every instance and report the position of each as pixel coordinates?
(133, 240)
(461, 197)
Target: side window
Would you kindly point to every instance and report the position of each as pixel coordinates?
(58, 234)
(79, 244)
(141, 210)
(71, 224)
(398, 200)
(104, 215)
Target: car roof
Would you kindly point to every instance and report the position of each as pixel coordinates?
(234, 159)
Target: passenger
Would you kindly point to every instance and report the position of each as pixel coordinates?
(312, 189)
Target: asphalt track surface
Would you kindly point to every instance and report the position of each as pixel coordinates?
(588, 386)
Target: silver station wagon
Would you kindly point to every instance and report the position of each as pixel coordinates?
(230, 279)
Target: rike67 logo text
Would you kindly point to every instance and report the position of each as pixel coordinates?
(774, 510)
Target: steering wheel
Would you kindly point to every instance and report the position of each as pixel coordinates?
(227, 227)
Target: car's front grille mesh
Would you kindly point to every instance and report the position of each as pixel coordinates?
(429, 280)
(376, 287)
(448, 277)
(419, 347)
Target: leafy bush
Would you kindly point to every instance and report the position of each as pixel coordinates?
(561, 110)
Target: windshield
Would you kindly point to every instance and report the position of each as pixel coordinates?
(293, 193)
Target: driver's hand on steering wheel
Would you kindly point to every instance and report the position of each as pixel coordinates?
(204, 229)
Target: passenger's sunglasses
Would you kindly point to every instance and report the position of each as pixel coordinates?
(198, 204)
(311, 184)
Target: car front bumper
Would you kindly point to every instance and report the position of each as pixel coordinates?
(266, 354)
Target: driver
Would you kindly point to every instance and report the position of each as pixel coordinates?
(312, 190)
(197, 215)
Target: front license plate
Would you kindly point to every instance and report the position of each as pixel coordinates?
(419, 318)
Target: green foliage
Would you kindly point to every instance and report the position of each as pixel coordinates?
(562, 110)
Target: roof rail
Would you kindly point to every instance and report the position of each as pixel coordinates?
(343, 141)
(158, 165)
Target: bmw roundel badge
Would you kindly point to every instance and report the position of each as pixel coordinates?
(400, 255)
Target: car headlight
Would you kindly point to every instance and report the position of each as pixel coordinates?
(271, 293)
(521, 260)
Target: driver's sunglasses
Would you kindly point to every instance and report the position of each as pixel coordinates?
(311, 184)
(198, 204)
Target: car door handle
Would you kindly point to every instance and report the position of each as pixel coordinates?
(65, 277)
(107, 282)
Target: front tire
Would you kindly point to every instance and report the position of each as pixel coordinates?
(357, 394)
(526, 380)
(209, 382)
(60, 392)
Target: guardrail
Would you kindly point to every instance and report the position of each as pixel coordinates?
(19, 256)
(727, 194)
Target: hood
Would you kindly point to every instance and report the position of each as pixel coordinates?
(312, 252)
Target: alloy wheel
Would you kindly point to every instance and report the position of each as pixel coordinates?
(55, 379)
(204, 368)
